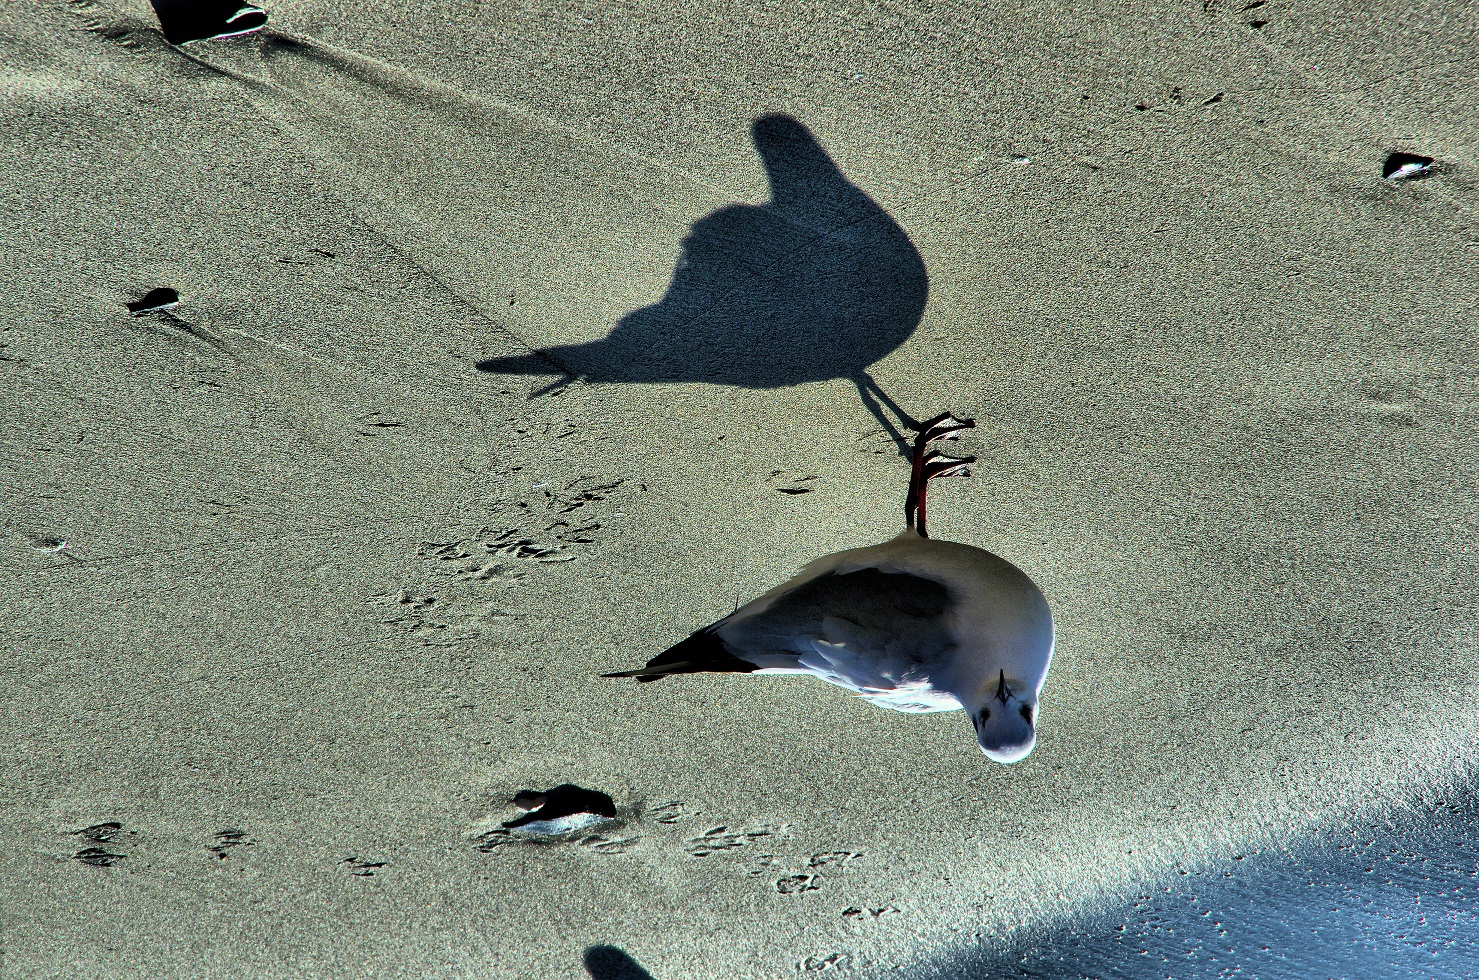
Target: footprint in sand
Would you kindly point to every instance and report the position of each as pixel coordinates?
(224, 840)
(361, 868)
(105, 840)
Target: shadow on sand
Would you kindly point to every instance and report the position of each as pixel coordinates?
(611, 963)
(1369, 901)
(818, 283)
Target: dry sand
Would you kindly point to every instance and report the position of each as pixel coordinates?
(1226, 385)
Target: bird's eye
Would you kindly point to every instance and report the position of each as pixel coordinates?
(1027, 713)
(985, 714)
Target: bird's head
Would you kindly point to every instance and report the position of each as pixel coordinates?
(1005, 715)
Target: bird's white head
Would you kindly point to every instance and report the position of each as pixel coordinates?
(1005, 715)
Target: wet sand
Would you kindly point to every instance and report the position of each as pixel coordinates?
(308, 576)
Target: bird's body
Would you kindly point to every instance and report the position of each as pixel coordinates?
(913, 624)
(888, 621)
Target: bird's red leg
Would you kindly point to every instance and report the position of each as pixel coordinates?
(912, 498)
(928, 463)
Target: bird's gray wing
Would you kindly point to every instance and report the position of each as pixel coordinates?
(875, 627)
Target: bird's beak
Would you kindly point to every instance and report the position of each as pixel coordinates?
(1002, 691)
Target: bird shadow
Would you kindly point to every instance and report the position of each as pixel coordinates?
(818, 283)
(611, 963)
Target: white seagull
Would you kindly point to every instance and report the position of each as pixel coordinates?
(913, 624)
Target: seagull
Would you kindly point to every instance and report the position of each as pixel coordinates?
(914, 624)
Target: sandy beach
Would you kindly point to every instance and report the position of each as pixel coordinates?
(516, 341)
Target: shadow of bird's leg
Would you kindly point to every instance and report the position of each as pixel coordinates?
(927, 464)
(867, 388)
(554, 387)
(908, 420)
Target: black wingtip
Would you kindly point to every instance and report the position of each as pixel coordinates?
(641, 675)
(702, 652)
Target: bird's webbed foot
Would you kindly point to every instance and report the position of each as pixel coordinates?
(943, 426)
(936, 465)
(931, 463)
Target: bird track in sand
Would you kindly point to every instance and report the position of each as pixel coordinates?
(807, 878)
(818, 964)
(106, 843)
(721, 838)
(477, 569)
(109, 843)
(361, 868)
(222, 841)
